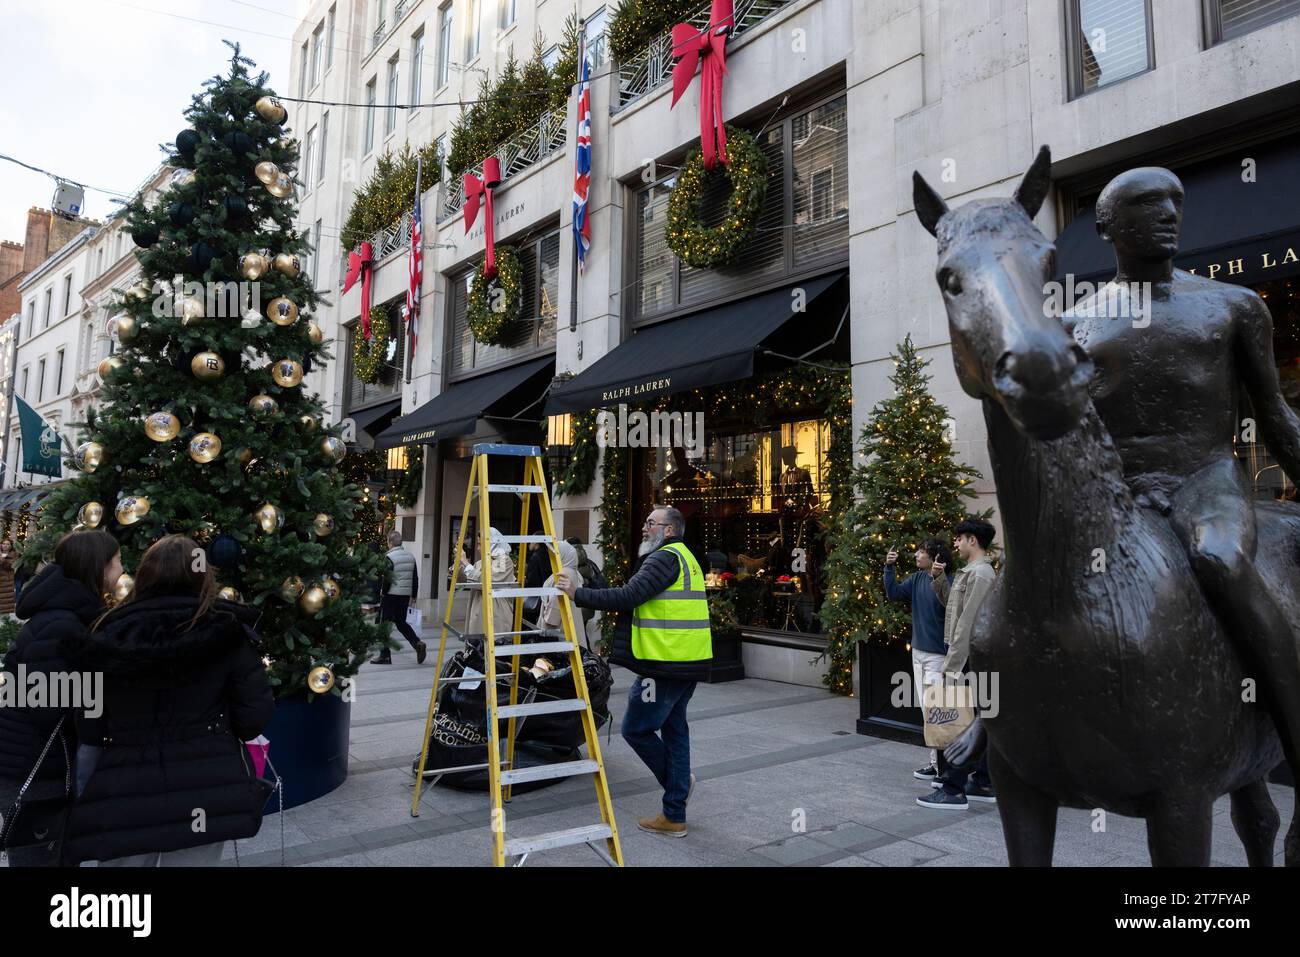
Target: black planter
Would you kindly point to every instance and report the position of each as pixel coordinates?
(309, 748)
(878, 715)
(728, 663)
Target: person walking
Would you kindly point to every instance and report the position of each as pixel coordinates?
(8, 598)
(403, 584)
(668, 644)
(58, 605)
(162, 775)
(962, 600)
(928, 649)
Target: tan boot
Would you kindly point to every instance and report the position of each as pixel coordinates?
(661, 825)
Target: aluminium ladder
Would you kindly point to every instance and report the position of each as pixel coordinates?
(501, 772)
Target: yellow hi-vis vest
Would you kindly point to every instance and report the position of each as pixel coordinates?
(674, 624)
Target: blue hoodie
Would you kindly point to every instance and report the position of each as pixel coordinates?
(927, 613)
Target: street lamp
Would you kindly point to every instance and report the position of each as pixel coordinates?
(559, 443)
(397, 462)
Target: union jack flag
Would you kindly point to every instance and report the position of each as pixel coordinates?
(582, 177)
(416, 273)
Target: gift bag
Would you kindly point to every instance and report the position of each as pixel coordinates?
(258, 750)
(948, 710)
(415, 618)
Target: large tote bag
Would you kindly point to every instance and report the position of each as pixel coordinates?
(948, 709)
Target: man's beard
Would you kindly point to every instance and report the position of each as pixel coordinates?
(648, 545)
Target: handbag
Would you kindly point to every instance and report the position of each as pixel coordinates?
(14, 832)
(948, 710)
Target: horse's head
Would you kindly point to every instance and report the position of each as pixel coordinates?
(993, 267)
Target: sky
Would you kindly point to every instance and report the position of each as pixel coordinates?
(106, 81)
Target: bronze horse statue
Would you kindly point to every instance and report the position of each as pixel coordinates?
(1119, 688)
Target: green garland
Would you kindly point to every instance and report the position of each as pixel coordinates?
(638, 23)
(407, 492)
(707, 247)
(386, 195)
(577, 478)
(369, 355)
(612, 535)
(489, 314)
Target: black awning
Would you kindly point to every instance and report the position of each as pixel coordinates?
(457, 410)
(705, 349)
(375, 418)
(1234, 229)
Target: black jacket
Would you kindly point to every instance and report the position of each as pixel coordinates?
(178, 703)
(650, 575)
(57, 610)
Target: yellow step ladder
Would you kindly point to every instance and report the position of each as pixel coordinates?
(501, 772)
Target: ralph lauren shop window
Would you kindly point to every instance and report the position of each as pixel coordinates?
(533, 332)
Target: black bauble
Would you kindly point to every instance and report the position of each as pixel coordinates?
(226, 553)
(181, 214)
(236, 207)
(238, 141)
(201, 256)
(187, 141)
(145, 236)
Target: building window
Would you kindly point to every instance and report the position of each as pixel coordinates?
(308, 153)
(551, 57)
(535, 328)
(329, 39)
(87, 346)
(1109, 41)
(315, 258)
(440, 147)
(389, 383)
(49, 305)
(370, 115)
(58, 374)
(26, 374)
(595, 29)
(40, 381)
(302, 70)
(506, 13)
(472, 17)
(324, 138)
(317, 48)
(444, 46)
(802, 228)
(417, 59)
(67, 294)
(1228, 19)
(31, 318)
(99, 261)
(390, 115)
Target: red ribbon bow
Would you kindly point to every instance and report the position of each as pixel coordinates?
(359, 265)
(708, 48)
(480, 190)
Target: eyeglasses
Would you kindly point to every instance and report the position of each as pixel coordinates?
(649, 523)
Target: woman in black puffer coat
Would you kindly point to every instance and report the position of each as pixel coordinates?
(163, 776)
(59, 605)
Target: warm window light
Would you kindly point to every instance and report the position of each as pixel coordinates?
(397, 460)
(559, 443)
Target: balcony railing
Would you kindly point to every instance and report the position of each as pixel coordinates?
(653, 67)
(385, 242)
(377, 37)
(524, 149)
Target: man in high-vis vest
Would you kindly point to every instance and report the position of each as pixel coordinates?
(668, 644)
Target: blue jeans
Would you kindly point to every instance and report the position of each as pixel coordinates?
(658, 733)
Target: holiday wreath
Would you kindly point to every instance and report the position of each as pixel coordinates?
(707, 247)
(494, 303)
(369, 355)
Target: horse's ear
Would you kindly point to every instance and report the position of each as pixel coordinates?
(1038, 178)
(930, 206)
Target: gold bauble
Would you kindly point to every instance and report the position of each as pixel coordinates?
(322, 524)
(333, 448)
(287, 373)
(313, 599)
(308, 422)
(130, 509)
(203, 532)
(282, 311)
(320, 679)
(126, 328)
(252, 266)
(230, 594)
(108, 364)
(262, 404)
(315, 333)
(267, 172)
(190, 309)
(140, 291)
(332, 589)
(244, 455)
(282, 188)
(208, 366)
(269, 518)
(122, 588)
(205, 447)
(162, 426)
(291, 588)
(289, 264)
(89, 456)
(270, 109)
(90, 514)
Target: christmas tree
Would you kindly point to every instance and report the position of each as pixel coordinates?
(909, 489)
(205, 428)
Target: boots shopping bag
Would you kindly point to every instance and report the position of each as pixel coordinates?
(948, 709)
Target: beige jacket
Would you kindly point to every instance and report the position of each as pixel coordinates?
(962, 601)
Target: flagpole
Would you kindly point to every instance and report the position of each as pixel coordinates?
(410, 349)
(573, 270)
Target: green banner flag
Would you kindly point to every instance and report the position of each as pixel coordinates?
(41, 452)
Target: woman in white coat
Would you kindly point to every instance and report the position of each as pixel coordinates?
(550, 615)
(503, 575)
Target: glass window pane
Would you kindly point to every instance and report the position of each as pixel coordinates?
(1112, 41)
(655, 262)
(1242, 16)
(819, 145)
